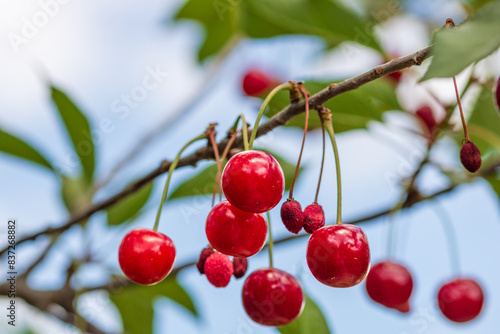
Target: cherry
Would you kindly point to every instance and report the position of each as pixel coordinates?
(256, 83)
(291, 216)
(390, 284)
(314, 218)
(200, 264)
(461, 300)
(240, 266)
(470, 156)
(253, 181)
(426, 115)
(272, 297)
(218, 269)
(146, 256)
(497, 94)
(395, 76)
(234, 232)
(338, 255)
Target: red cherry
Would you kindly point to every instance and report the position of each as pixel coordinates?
(314, 218)
(146, 256)
(291, 216)
(395, 76)
(256, 83)
(338, 255)
(253, 181)
(426, 115)
(272, 297)
(218, 269)
(470, 156)
(200, 264)
(497, 94)
(390, 284)
(240, 266)
(235, 232)
(461, 300)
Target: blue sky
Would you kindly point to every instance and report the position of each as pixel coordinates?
(98, 51)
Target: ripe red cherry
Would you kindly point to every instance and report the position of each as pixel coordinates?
(146, 256)
(338, 255)
(256, 83)
(426, 115)
(461, 300)
(253, 181)
(390, 284)
(235, 232)
(272, 297)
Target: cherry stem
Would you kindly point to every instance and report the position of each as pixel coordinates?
(451, 236)
(223, 157)
(326, 116)
(305, 94)
(392, 226)
(211, 138)
(276, 89)
(270, 243)
(322, 161)
(170, 170)
(464, 123)
(245, 130)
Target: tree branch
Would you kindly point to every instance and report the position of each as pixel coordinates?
(277, 120)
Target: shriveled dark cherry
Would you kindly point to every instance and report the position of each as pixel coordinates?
(291, 216)
(234, 232)
(240, 266)
(200, 264)
(390, 284)
(146, 256)
(218, 269)
(314, 218)
(253, 181)
(338, 255)
(256, 83)
(272, 297)
(427, 116)
(470, 156)
(461, 300)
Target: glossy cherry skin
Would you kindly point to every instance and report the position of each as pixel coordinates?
(234, 232)
(256, 83)
(253, 181)
(390, 284)
(461, 300)
(146, 256)
(272, 297)
(338, 255)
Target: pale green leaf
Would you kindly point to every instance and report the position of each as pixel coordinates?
(15, 146)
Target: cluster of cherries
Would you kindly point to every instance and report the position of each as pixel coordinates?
(337, 255)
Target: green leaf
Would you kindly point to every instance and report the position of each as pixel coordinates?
(218, 18)
(311, 321)
(203, 182)
(455, 49)
(351, 110)
(78, 129)
(135, 303)
(130, 206)
(75, 193)
(494, 181)
(484, 123)
(327, 19)
(14, 146)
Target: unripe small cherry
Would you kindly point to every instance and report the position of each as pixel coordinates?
(391, 285)
(427, 116)
(256, 83)
(314, 218)
(461, 300)
(200, 264)
(291, 216)
(240, 266)
(146, 256)
(470, 156)
(218, 269)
